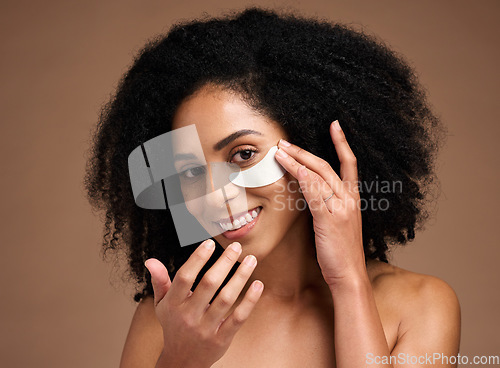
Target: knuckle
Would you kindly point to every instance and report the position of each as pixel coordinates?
(188, 322)
(298, 151)
(200, 256)
(343, 215)
(315, 203)
(243, 273)
(220, 343)
(353, 204)
(324, 165)
(209, 280)
(230, 257)
(350, 201)
(225, 299)
(183, 277)
(315, 179)
(205, 336)
(253, 297)
(353, 187)
(238, 317)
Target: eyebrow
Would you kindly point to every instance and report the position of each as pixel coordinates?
(184, 156)
(240, 133)
(219, 145)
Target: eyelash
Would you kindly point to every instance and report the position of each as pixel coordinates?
(244, 150)
(184, 172)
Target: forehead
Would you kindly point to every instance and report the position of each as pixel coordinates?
(217, 113)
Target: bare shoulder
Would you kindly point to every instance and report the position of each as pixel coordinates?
(144, 341)
(427, 307)
(416, 290)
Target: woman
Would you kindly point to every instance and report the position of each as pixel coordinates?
(314, 288)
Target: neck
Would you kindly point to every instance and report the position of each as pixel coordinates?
(290, 272)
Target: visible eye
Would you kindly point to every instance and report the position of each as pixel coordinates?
(193, 172)
(244, 154)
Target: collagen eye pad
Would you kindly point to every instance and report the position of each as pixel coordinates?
(265, 172)
(169, 172)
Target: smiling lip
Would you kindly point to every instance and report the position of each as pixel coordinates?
(234, 216)
(243, 230)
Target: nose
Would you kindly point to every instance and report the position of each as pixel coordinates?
(221, 192)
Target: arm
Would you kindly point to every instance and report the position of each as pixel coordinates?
(358, 330)
(430, 325)
(431, 316)
(144, 341)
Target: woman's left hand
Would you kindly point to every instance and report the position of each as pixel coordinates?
(335, 206)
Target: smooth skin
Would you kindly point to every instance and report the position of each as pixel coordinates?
(206, 332)
(337, 226)
(323, 310)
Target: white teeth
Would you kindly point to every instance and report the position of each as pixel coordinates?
(242, 221)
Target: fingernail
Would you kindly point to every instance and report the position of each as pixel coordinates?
(209, 244)
(337, 125)
(281, 153)
(257, 285)
(236, 247)
(250, 260)
(146, 263)
(284, 143)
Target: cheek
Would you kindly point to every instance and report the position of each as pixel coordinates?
(194, 208)
(284, 195)
(192, 194)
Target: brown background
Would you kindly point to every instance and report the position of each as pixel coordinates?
(62, 306)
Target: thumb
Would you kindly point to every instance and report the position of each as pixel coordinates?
(159, 278)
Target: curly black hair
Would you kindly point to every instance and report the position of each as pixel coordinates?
(301, 72)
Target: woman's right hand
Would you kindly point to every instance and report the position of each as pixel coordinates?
(195, 332)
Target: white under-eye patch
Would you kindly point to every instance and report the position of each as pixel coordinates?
(266, 172)
(157, 183)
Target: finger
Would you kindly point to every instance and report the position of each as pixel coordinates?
(159, 278)
(187, 273)
(321, 187)
(333, 203)
(229, 294)
(292, 157)
(213, 279)
(313, 193)
(233, 322)
(348, 162)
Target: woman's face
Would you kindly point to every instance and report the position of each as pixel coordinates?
(270, 211)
